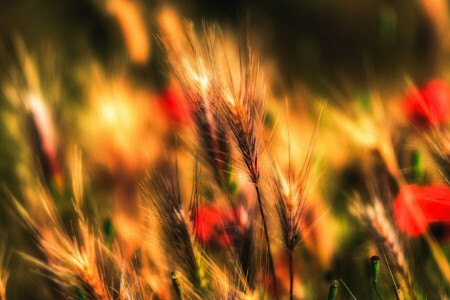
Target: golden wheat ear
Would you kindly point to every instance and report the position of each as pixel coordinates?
(191, 62)
(242, 99)
(290, 194)
(163, 194)
(217, 91)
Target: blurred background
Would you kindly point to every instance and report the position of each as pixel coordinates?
(315, 42)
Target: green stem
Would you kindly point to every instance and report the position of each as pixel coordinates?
(376, 290)
(334, 287)
(375, 264)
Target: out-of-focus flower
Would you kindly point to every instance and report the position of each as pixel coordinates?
(415, 208)
(219, 226)
(429, 105)
(208, 217)
(119, 126)
(174, 106)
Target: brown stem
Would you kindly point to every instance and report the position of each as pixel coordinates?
(266, 233)
(291, 276)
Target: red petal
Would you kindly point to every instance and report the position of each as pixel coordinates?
(416, 207)
(174, 105)
(429, 105)
(207, 219)
(434, 202)
(407, 214)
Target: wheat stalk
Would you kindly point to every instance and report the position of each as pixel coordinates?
(204, 71)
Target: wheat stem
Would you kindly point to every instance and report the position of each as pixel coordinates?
(291, 276)
(266, 234)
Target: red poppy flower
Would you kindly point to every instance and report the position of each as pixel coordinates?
(430, 105)
(174, 105)
(218, 227)
(415, 208)
(207, 220)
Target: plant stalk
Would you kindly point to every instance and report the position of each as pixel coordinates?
(376, 290)
(266, 233)
(291, 276)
